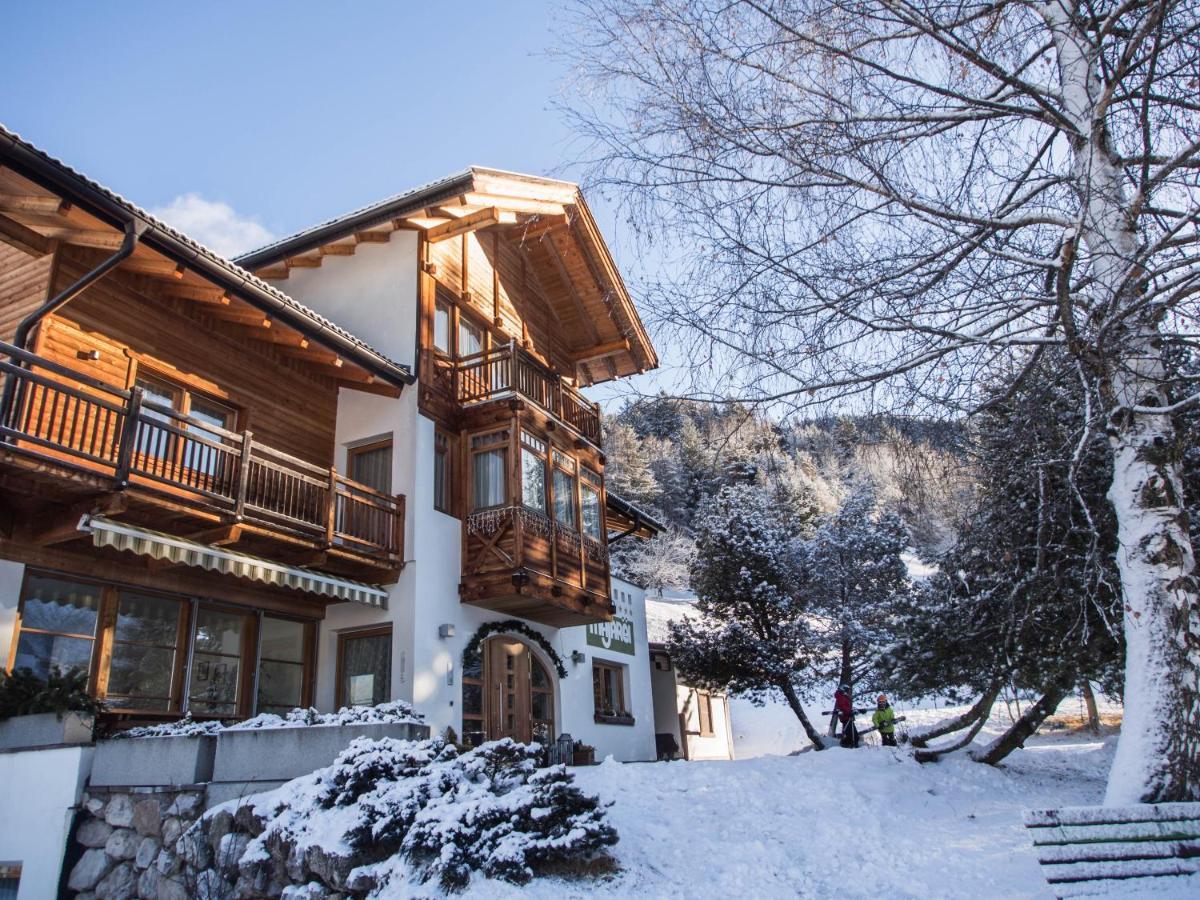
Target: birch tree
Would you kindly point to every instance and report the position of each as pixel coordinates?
(872, 201)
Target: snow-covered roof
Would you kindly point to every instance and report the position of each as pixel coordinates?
(661, 612)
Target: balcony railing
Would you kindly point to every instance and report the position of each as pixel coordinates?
(507, 369)
(64, 413)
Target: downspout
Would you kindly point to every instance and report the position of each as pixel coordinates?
(133, 231)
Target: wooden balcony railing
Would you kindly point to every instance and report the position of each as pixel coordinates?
(70, 414)
(507, 369)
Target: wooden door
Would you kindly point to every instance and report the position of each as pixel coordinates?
(508, 701)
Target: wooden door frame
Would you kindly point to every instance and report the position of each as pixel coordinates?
(491, 715)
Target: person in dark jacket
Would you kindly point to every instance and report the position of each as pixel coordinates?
(843, 706)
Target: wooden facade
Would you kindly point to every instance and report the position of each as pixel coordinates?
(520, 305)
(163, 394)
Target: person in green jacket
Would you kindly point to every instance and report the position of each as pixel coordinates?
(884, 718)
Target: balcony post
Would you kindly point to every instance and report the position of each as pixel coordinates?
(128, 437)
(331, 512)
(243, 483)
(513, 384)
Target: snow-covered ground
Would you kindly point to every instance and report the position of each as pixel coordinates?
(868, 822)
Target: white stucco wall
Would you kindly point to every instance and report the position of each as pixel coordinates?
(720, 744)
(38, 792)
(11, 574)
(372, 294)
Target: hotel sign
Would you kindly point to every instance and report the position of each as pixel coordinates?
(616, 634)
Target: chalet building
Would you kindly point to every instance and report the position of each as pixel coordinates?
(498, 291)
(215, 499)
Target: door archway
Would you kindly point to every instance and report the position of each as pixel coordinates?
(508, 691)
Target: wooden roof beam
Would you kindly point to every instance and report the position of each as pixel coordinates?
(372, 237)
(515, 204)
(542, 225)
(560, 269)
(26, 239)
(307, 261)
(148, 265)
(339, 249)
(603, 351)
(273, 273)
(200, 293)
(484, 218)
(243, 316)
(313, 354)
(282, 336)
(100, 240)
(46, 205)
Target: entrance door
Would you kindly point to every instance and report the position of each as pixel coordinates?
(508, 690)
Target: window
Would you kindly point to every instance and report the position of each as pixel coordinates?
(564, 490)
(541, 702)
(10, 880)
(470, 337)
(591, 508)
(474, 733)
(58, 625)
(365, 667)
(283, 647)
(146, 638)
(441, 472)
(371, 464)
(441, 325)
(490, 460)
(608, 689)
(533, 472)
(704, 708)
(220, 647)
(194, 456)
(143, 673)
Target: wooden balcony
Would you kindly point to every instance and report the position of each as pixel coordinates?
(68, 433)
(520, 562)
(507, 371)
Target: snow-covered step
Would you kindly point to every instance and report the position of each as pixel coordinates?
(1105, 850)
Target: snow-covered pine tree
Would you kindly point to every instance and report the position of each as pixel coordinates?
(751, 580)
(858, 580)
(1029, 594)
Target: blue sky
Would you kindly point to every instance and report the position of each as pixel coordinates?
(238, 122)
(289, 112)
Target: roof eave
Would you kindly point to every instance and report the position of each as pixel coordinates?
(70, 186)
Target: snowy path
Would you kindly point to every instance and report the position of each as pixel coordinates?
(859, 823)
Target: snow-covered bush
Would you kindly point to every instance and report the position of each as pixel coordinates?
(385, 713)
(185, 727)
(390, 813)
(396, 711)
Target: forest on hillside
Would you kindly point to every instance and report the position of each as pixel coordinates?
(667, 456)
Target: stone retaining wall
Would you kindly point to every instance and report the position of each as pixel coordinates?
(125, 843)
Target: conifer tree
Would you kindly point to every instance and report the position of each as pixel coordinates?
(751, 580)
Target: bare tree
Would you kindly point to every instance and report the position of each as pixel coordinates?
(874, 201)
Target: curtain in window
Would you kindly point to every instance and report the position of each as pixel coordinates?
(373, 467)
(441, 326)
(489, 478)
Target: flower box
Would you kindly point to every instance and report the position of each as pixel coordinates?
(586, 757)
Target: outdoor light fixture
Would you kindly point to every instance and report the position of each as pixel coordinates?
(445, 631)
(577, 656)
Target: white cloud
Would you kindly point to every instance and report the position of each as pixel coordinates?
(214, 224)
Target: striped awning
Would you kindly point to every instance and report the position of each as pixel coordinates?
(156, 545)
